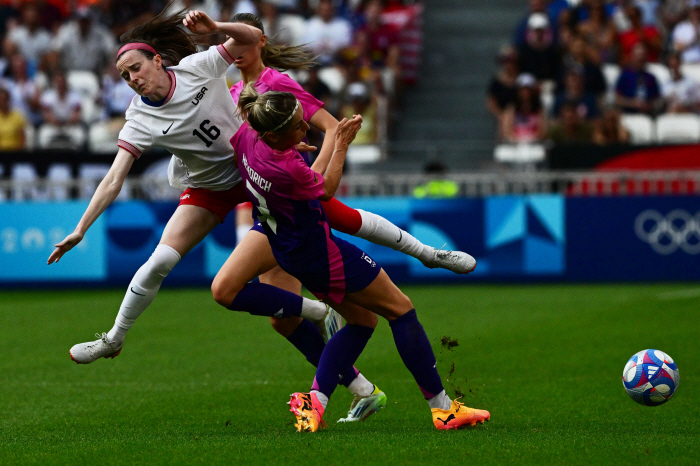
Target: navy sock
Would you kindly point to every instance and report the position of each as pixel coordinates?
(260, 299)
(309, 342)
(340, 354)
(416, 353)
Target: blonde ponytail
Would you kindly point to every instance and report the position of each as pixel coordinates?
(268, 112)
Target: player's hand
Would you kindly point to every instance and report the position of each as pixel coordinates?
(199, 22)
(347, 130)
(64, 246)
(304, 147)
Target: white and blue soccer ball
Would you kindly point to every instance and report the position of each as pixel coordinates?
(651, 377)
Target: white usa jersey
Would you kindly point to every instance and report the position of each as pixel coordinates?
(195, 122)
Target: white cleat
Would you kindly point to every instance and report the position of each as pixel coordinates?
(454, 261)
(85, 353)
(363, 407)
(330, 324)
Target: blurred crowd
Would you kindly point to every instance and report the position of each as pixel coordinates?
(600, 71)
(59, 87)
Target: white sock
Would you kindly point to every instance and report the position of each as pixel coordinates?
(323, 399)
(313, 310)
(143, 289)
(241, 231)
(379, 230)
(361, 386)
(440, 401)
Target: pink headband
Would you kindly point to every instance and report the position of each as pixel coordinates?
(136, 46)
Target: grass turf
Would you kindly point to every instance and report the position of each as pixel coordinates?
(199, 385)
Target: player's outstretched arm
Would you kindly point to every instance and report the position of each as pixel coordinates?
(241, 36)
(106, 192)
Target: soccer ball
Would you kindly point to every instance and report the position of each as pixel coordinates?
(650, 377)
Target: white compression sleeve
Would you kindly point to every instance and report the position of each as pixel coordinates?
(379, 230)
(143, 289)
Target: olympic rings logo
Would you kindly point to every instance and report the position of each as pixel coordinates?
(665, 235)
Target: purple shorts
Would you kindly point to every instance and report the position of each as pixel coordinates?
(346, 269)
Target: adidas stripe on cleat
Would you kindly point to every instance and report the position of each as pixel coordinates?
(363, 407)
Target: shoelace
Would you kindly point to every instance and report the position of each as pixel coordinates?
(446, 255)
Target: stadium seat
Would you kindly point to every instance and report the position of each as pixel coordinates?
(61, 137)
(611, 73)
(519, 153)
(333, 78)
(660, 72)
(24, 183)
(58, 177)
(364, 153)
(547, 95)
(691, 70)
(29, 137)
(89, 110)
(640, 127)
(101, 139)
(84, 82)
(678, 128)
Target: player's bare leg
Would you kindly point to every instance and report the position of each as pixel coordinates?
(252, 258)
(188, 226)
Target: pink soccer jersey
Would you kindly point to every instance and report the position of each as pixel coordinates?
(273, 80)
(283, 189)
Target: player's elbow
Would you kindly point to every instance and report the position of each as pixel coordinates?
(326, 196)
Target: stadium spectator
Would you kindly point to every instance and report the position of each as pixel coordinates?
(598, 31)
(12, 125)
(637, 90)
(316, 87)
(326, 34)
(681, 94)
(539, 55)
(502, 91)
(61, 105)
(84, 44)
(9, 15)
(280, 26)
(381, 40)
(584, 57)
(360, 101)
(686, 38)
(571, 127)
(24, 91)
(31, 40)
(575, 93)
(524, 121)
(611, 129)
(552, 11)
(639, 33)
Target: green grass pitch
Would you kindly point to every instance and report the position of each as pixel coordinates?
(196, 384)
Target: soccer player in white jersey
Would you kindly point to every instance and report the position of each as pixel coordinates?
(187, 109)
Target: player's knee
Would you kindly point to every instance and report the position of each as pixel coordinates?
(399, 307)
(223, 294)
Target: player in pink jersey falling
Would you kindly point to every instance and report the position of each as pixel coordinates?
(286, 195)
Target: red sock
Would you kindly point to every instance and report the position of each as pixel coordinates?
(341, 217)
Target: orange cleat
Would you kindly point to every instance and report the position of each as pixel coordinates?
(458, 416)
(308, 411)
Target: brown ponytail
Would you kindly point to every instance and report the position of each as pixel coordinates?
(166, 34)
(266, 112)
(279, 57)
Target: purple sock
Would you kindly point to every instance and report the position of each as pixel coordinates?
(416, 353)
(309, 342)
(341, 352)
(260, 299)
